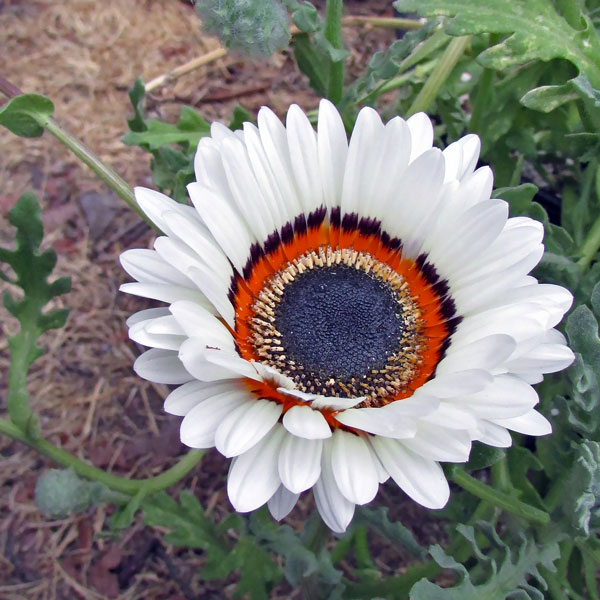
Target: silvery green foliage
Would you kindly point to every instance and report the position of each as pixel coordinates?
(253, 27)
(60, 493)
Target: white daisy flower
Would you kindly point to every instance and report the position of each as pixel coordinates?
(341, 313)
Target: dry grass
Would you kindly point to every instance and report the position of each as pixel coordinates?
(84, 55)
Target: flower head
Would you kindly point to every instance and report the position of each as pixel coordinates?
(343, 312)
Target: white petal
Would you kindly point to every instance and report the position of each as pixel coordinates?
(482, 354)
(166, 292)
(366, 136)
(245, 426)
(200, 423)
(206, 364)
(300, 463)
(161, 366)
(274, 140)
(199, 239)
(421, 133)
(491, 434)
(303, 421)
(182, 399)
(155, 333)
(547, 358)
(148, 267)
(507, 397)
(281, 503)
(335, 510)
(452, 416)
(421, 478)
(146, 315)
(531, 423)
(318, 401)
(197, 322)
(458, 383)
(253, 476)
(379, 422)
(155, 204)
(440, 443)
(224, 223)
(332, 152)
(302, 143)
(353, 468)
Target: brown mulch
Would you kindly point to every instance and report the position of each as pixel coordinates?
(84, 55)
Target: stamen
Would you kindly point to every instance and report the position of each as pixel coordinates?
(375, 354)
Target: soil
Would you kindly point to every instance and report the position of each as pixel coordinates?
(85, 55)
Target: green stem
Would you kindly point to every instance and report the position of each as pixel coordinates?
(383, 22)
(482, 99)
(108, 175)
(333, 34)
(501, 500)
(440, 74)
(83, 469)
(591, 244)
(501, 476)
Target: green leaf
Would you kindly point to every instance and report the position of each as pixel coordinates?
(536, 31)
(123, 517)
(546, 98)
(508, 568)
(394, 532)
(32, 269)
(26, 115)
(580, 501)
(137, 94)
(483, 456)
(240, 116)
(311, 63)
(306, 18)
(186, 132)
(257, 570)
(519, 198)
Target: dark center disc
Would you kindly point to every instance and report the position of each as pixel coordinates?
(339, 322)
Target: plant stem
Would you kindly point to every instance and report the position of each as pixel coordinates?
(83, 469)
(84, 154)
(500, 499)
(440, 74)
(108, 175)
(590, 245)
(382, 22)
(333, 34)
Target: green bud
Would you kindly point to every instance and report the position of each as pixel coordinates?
(253, 27)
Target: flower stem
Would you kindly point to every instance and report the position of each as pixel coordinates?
(500, 499)
(440, 74)
(591, 244)
(333, 34)
(382, 22)
(83, 469)
(108, 175)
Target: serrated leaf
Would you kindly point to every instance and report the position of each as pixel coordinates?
(595, 299)
(582, 331)
(32, 269)
(580, 502)
(186, 132)
(26, 115)
(508, 568)
(258, 572)
(536, 31)
(395, 532)
(520, 462)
